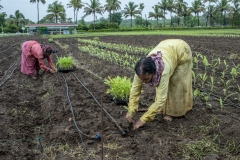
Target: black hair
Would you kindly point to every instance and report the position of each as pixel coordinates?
(145, 65)
(49, 50)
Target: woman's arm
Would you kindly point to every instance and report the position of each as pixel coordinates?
(135, 94)
(161, 96)
(49, 58)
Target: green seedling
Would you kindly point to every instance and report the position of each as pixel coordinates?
(221, 103)
(196, 93)
(205, 62)
(195, 60)
(212, 82)
(203, 78)
(194, 77)
(234, 73)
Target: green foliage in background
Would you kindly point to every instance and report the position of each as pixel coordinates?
(65, 62)
(42, 30)
(119, 87)
(71, 29)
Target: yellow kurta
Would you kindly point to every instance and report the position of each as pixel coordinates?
(174, 91)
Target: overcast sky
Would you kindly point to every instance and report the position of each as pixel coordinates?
(29, 10)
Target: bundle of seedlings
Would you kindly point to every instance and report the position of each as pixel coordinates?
(50, 40)
(65, 64)
(119, 89)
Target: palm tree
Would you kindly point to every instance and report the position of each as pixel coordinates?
(76, 4)
(3, 16)
(163, 5)
(112, 5)
(11, 20)
(56, 12)
(130, 10)
(79, 6)
(201, 8)
(34, 1)
(1, 6)
(93, 8)
(211, 11)
(180, 4)
(17, 18)
(223, 6)
(171, 8)
(197, 7)
(186, 12)
(209, 2)
(235, 10)
(141, 7)
(158, 13)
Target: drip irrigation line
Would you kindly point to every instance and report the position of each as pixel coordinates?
(74, 119)
(11, 46)
(6, 57)
(9, 68)
(9, 75)
(122, 131)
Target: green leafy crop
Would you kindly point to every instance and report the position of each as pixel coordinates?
(119, 87)
(50, 40)
(65, 62)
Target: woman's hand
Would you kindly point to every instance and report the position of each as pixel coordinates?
(138, 124)
(52, 71)
(129, 117)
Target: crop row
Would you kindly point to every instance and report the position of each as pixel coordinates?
(118, 47)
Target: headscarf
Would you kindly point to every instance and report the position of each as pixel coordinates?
(159, 69)
(45, 48)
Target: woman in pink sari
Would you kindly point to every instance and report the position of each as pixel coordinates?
(33, 54)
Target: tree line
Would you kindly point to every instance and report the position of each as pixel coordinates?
(180, 13)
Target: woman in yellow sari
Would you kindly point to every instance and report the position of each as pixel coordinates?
(168, 68)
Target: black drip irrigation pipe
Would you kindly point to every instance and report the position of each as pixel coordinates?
(69, 101)
(74, 119)
(115, 122)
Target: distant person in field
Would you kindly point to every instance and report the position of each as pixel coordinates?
(33, 54)
(168, 68)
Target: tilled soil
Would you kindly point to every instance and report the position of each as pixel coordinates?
(55, 117)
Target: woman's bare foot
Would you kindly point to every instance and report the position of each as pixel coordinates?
(161, 112)
(168, 118)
